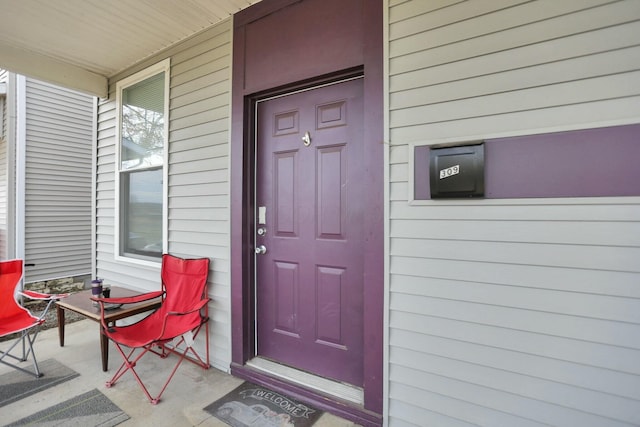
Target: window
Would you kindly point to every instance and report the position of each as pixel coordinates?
(142, 101)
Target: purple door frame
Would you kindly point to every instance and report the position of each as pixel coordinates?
(352, 44)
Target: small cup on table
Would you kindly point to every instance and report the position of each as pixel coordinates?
(96, 289)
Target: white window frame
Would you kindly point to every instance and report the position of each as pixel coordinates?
(163, 66)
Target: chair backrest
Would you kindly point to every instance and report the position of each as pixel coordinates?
(184, 281)
(10, 275)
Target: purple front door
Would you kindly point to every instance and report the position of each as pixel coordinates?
(309, 222)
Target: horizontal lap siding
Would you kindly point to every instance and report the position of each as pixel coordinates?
(511, 312)
(198, 187)
(198, 170)
(58, 181)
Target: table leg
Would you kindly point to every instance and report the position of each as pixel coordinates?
(104, 350)
(61, 325)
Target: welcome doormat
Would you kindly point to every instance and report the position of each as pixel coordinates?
(91, 409)
(17, 385)
(255, 406)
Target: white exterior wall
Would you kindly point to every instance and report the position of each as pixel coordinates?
(45, 177)
(511, 312)
(198, 194)
(58, 157)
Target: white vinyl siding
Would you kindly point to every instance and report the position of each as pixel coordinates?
(511, 312)
(198, 188)
(58, 181)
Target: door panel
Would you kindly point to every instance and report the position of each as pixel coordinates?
(309, 282)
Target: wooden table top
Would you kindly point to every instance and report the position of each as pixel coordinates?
(80, 303)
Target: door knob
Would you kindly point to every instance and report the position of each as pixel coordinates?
(260, 250)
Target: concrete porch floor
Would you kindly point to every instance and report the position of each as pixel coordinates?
(182, 403)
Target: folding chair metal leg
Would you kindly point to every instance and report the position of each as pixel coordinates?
(26, 341)
(196, 358)
(128, 365)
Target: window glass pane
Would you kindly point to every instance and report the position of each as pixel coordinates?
(142, 211)
(143, 124)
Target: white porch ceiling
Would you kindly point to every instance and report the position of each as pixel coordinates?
(81, 43)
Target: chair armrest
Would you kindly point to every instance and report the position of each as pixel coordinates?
(129, 300)
(195, 307)
(123, 300)
(40, 296)
(51, 298)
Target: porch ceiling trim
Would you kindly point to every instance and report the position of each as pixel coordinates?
(82, 44)
(45, 68)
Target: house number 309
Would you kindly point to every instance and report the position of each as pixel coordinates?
(453, 170)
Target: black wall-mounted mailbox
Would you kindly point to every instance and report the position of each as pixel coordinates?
(457, 171)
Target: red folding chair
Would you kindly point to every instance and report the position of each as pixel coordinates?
(16, 319)
(172, 328)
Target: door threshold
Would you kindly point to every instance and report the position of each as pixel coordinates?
(333, 388)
